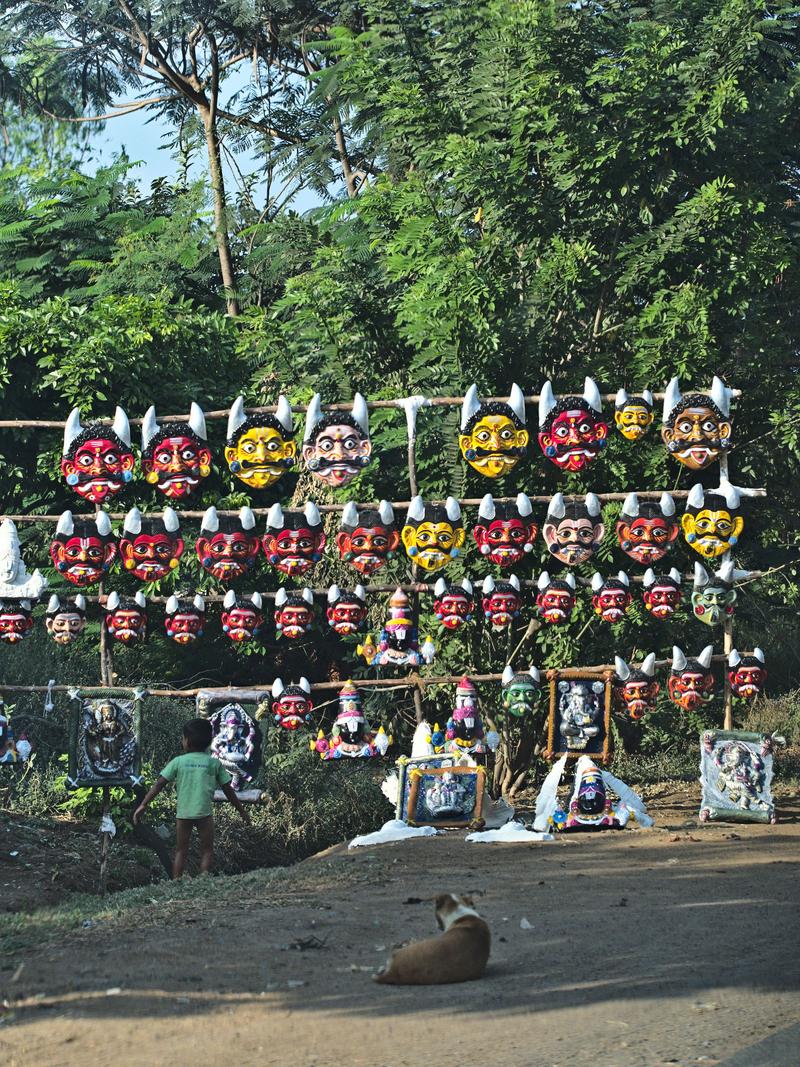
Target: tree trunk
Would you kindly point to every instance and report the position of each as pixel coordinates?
(220, 209)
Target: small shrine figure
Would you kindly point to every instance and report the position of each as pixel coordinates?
(105, 738)
(747, 674)
(741, 774)
(291, 704)
(464, 733)
(591, 806)
(236, 743)
(352, 737)
(15, 582)
(399, 640)
(520, 691)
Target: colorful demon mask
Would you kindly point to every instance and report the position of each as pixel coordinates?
(185, 620)
(126, 618)
(83, 550)
(691, 681)
(367, 538)
(150, 547)
(242, 619)
(572, 431)
(294, 612)
(633, 414)
(16, 620)
(454, 604)
(336, 445)
(556, 598)
(635, 688)
(347, 610)
(711, 523)
(97, 460)
(65, 618)
(647, 528)
(520, 691)
(493, 437)
(295, 540)
(501, 601)
(352, 737)
(433, 534)
(15, 582)
(697, 426)
(399, 640)
(713, 595)
(662, 593)
(573, 529)
(611, 597)
(260, 449)
(747, 674)
(175, 456)
(505, 531)
(291, 704)
(228, 544)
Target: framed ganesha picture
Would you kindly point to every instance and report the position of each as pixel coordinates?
(580, 714)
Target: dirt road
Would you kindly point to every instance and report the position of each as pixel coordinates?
(673, 946)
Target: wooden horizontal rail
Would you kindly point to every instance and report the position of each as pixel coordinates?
(409, 682)
(372, 405)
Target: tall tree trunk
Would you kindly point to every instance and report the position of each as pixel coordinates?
(220, 209)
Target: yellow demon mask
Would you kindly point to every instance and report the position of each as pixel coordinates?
(493, 437)
(260, 448)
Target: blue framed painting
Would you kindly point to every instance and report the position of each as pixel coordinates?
(446, 797)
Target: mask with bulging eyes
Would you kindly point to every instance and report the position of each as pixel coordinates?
(493, 437)
(713, 595)
(747, 674)
(711, 523)
(336, 444)
(572, 431)
(647, 528)
(697, 427)
(573, 529)
(633, 415)
(691, 681)
(635, 688)
(505, 531)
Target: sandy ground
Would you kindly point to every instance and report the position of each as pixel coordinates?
(672, 946)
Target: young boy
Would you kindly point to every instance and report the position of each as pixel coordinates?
(196, 775)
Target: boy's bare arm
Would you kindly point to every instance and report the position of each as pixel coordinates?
(230, 793)
(154, 790)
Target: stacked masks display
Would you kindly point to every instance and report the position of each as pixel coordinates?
(295, 540)
(367, 537)
(573, 530)
(505, 532)
(646, 528)
(520, 691)
(691, 681)
(242, 619)
(572, 431)
(260, 448)
(662, 594)
(97, 460)
(556, 598)
(433, 534)
(697, 428)
(175, 455)
(185, 620)
(711, 523)
(454, 604)
(151, 547)
(493, 437)
(294, 612)
(633, 414)
(635, 688)
(713, 595)
(291, 704)
(501, 601)
(228, 545)
(747, 674)
(336, 445)
(65, 618)
(83, 549)
(611, 596)
(126, 618)
(347, 610)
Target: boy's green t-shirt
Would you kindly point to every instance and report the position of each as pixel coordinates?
(196, 775)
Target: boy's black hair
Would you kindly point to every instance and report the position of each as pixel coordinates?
(198, 734)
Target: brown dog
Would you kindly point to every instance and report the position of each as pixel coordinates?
(458, 955)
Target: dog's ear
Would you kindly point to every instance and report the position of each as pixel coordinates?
(441, 900)
(468, 901)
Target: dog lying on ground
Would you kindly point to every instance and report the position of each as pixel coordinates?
(459, 954)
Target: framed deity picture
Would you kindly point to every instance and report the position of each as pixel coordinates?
(446, 797)
(736, 776)
(236, 739)
(105, 738)
(580, 714)
(407, 764)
